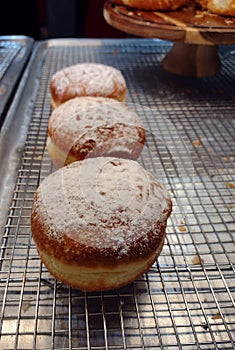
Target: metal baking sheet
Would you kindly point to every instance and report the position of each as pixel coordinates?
(186, 300)
(14, 52)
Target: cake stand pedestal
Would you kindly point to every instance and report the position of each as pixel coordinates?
(195, 34)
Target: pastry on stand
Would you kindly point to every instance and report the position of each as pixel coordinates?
(195, 34)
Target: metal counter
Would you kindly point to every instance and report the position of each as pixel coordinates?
(14, 52)
(186, 300)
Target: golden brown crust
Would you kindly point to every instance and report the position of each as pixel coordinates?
(96, 279)
(87, 79)
(154, 5)
(104, 216)
(94, 126)
(222, 7)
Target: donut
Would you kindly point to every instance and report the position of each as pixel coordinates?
(93, 126)
(100, 223)
(221, 7)
(87, 79)
(153, 5)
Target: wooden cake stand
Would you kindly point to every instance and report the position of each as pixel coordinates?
(196, 35)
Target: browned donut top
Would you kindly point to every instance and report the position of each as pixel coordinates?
(87, 79)
(100, 211)
(84, 124)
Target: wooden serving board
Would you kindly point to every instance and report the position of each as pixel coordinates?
(195, 34)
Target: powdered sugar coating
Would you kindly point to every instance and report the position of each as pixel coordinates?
(96, 125)
(107, 204)
(87, 79)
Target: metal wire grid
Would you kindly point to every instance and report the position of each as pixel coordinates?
(186, 301)
(8, 51)
(14, 52)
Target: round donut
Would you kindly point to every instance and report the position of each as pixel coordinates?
(100, 223)
(93, 126)
(153, 5)
(221, 7)
(87, 79)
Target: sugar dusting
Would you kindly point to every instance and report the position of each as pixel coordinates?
(92, 120)
(88, 79)
(103, 203)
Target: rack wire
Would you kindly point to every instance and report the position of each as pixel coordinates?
(14, 52)
(186, 300)
(8, 51)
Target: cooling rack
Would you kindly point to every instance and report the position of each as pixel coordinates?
(14, 52)
(186, 300)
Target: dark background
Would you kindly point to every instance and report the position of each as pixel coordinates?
(45, 19)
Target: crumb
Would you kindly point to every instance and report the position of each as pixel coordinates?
(230, 184)
(181, 226)
(197, 143)
(217, 316)
(225, 159)
(2, 90)
(182, 229)
(115, 52)
(205, 326)
(228, 21)
(197, 260)
(199, 14)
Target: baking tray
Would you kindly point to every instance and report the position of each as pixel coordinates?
(14, 52)
(186, 300)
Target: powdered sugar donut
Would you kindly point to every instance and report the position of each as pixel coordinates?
(91, 127)
(87, 79)
(100, 223)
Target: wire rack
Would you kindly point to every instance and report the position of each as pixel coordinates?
(14, 52)
(8, 52)
(186, 300)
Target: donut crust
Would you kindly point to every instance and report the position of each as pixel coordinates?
(98, 278)
(94, 126)
(87, 79)
(94, 232)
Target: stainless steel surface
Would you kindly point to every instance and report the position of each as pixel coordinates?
(186, 300)
(14, 52)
